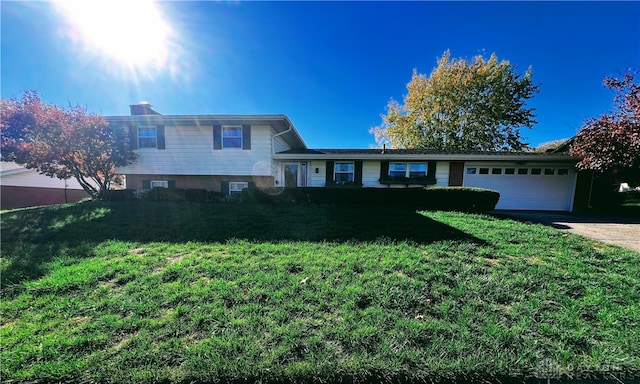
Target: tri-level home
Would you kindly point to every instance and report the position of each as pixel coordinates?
(228, 153)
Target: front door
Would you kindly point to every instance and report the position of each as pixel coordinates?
(295, 174)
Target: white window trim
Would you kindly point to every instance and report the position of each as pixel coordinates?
(352, 173)
(231, 137)
(159, 184)
(407, 168)
(236, 187)
(147, 127)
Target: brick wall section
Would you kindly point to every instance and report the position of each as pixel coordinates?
(19, 197)
(210, 183)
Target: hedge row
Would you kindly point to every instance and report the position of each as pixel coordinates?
(165, 194)
(434, 198)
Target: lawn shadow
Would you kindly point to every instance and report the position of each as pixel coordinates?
(558, 219)
(35, 236)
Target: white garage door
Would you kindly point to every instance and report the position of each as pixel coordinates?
(525, 187)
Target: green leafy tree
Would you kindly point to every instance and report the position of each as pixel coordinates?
(549, 145)
(462, 105)
(610, 144)
(63, 142)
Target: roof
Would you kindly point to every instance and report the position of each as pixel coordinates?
(279, 122)
(422, 154)
(10, 168)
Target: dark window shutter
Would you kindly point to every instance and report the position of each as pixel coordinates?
(246, 137)
(431, 169)
(384, 169)
(171, 184)
(224, 188)
(217, 137)
(146, 184)
(252, 184)
(357, 176)
(329, 173)
(160, 133)
(133, 137)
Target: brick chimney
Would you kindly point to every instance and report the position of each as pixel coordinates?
(142, 108)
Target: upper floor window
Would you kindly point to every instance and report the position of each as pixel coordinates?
(147, 137)
(343, 172)
(232, 137)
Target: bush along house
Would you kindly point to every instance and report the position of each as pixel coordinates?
(227, 153)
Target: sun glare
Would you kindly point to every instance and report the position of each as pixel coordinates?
(132, 33)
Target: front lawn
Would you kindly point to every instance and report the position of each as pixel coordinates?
(214, 293)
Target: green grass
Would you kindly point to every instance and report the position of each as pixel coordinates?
(179, 292)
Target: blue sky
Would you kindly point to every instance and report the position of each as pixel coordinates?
(330, 66)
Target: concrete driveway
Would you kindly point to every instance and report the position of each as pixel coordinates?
(621, 231)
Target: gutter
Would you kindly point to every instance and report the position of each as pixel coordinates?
(441, 157)
(273, 149)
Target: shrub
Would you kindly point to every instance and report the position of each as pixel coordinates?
(436, 198)
(164, 194)
(121, 194)
(214, 196)
(195, 194)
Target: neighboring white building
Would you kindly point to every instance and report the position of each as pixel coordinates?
(21, 187)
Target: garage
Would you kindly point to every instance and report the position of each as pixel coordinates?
(548, 187)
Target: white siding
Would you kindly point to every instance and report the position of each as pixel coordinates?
(442, 174)
(279, 145)
(189, 151)
(317, 179)
(371, 174)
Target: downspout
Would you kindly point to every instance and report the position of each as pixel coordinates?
(273, 146)
(590, 191)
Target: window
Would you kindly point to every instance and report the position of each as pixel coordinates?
(147, 137)
(236, 187)
(563, 172)
(496, 171)
(471, 171)
(417, 169)
(232, 137)
(484, 171)
(397, 169)
(159, 184)
(343, 172)
(536, 171)
(549, 171)
(523, 171)
(407, 170)
(509, 171)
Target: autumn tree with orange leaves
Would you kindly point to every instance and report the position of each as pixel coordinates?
(63, 142)
(611, 143)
